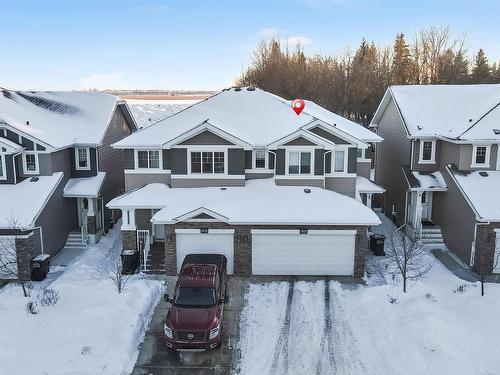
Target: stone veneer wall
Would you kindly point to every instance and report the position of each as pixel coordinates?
(26, 251)
(129, 239)
(485, 247)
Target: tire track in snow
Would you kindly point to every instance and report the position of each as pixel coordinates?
(327, 339)
(281, 351)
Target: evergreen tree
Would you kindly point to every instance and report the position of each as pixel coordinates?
(481, 71)
(401, 63)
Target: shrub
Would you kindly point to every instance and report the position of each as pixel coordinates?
(32, 308)
(48, 297)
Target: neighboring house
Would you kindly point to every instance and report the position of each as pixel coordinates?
(241, 174)
(441, 167)
(57, 169)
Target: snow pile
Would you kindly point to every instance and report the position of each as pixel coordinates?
(432, 180)
(84, 186)
(91, 330)
(148, 112)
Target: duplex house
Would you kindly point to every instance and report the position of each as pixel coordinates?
(441, 167)
(57, 170)
(241, 174)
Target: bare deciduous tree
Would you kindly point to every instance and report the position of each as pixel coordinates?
(114, 269)
(407, 257)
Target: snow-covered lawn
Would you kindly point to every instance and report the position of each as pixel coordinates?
(91, 330)
(441, 326)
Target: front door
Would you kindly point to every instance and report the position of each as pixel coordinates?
(427, 205)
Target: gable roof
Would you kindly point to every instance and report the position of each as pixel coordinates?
(59, 119)
(455, 112)
(252, 115)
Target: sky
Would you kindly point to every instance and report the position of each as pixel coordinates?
(204, 45)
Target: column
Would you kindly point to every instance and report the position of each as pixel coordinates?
(369, 200)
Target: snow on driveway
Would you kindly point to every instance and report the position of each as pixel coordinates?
(91, 330)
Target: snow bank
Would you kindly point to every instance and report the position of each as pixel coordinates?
(91, 330)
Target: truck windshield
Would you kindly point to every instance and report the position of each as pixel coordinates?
(194, 297)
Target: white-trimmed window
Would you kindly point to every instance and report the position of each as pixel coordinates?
(427, 154)
(207, 162)
(300, 162)
(148, 159)
(30, 163)
(3, 170)
(340, 161)
(481, 156)
(260, 159)
(82, 158)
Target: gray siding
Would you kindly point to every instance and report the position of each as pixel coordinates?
(206, 138)
(179, 160)
(328, 162)
(280, 162)
(300, 141)
(255, 176)
(83, 173)
(425, 167)
(9, 170)
(11, 136)
(352, 160)
(318, 182)
(466, 157)
(271, 160)
(327, 135)
(44, 166)
(165, 154)
(363, 169)
(143, 219)
(236, 161)
(391, 154)
(342, 185)
(449, 153)
(129, 159)
(248, 159)
(206, 182)
(137, 180)
(319, 161)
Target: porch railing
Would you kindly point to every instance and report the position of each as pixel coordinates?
(143, 244)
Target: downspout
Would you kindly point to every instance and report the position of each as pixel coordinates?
(41, 237)
(14, 165)
(275, 161)
(324, 167)
(411, 156)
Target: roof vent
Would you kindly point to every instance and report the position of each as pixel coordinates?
(250, 88)
(307, 191)
(470, 120)
(496, 131)
(34, 179)
(27, 122)
(483, 174)
(237, 89)
(223, 188)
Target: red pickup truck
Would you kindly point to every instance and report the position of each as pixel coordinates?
(195, 316)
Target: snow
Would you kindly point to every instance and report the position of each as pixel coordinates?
(41, 257)
(148, 112)
(256, 117)
(91, 330)
(9, 146)
(60, 119)
(429, 181)
(84, 186)
(364, 185)
(448, 110)
(481, 191)
(260, 201)
(24, 201)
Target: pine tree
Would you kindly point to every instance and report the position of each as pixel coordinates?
(481, 72)
(401, 61)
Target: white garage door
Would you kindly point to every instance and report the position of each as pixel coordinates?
(8, 259)
(216, 241)
(287, 252)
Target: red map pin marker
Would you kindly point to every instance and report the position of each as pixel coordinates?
(298, 106)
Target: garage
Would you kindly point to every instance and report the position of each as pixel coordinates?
(303, 252)
(199, 241)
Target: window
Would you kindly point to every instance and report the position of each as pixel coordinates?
(339, 161)
(148, 159)
(299, 162)
(82, 158)
(260, 159)
(360, 153)
(3, 172)
(481, 156)
(207, 162)
(30, 163)
(427, 153)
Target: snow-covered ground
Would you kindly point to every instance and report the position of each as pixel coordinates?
(441, 326)
(91, 330)
(147, 112)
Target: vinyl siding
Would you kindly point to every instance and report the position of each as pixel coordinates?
(248, 159)
(318, 182)
(466, 158)
(425, 167)
(255, 176)
(236, 161)
(280, 162)
(319, 160)
(300, 141)
(83, 173)
(206, 182)
(342, 185)
(129, 159)
(9, 169)
(363, 169)
(206, 138)
(143, 219)
(166, 158)
(352, 160)
(327, 135)
(179, 160)
(137, 180)
(44, 166)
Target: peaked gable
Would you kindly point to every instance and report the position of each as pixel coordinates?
(206, 137)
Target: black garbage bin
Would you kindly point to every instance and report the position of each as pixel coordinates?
(40, 267)
(377, 244)
(130, 261)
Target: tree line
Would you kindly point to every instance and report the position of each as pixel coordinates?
(353, 83)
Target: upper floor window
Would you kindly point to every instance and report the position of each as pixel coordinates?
(148, 159)
(260, 159)
(30, 163)
(3, 172)
(299, 162)
(481, 156)
(82, 158)
(427, 153)
(340, 161)
(208, 162)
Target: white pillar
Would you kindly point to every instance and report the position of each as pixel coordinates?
(128, 219)
(418, 214)
(369, 200)
(90, 211)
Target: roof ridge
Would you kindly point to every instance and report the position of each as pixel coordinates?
(480, 118)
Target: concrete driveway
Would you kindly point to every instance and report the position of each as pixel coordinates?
(155, 358)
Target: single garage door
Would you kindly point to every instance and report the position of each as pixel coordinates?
(216, 241)
(318, 252)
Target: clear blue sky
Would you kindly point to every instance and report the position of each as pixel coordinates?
(77, 44)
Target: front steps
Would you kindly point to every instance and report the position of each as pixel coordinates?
(432, 235)
(75, 241)
(155, 264)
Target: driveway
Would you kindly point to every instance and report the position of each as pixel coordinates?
(155, 358)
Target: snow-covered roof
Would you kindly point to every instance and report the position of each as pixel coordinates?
(9, 146)
(480, 189)
(58, 119)
(149, 112)
(427, 181)
(457, 112)
(84, 186)
(252, 115)
(259, 202)
(24, 201)
(364, 185)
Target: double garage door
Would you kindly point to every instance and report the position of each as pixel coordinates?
(278, 252)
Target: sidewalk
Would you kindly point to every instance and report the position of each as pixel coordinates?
(454, 265)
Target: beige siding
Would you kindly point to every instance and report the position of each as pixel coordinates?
(137, 180)
(206, 182)
(391, 154)
(342, 185)
(318, 182)
(363, 169)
